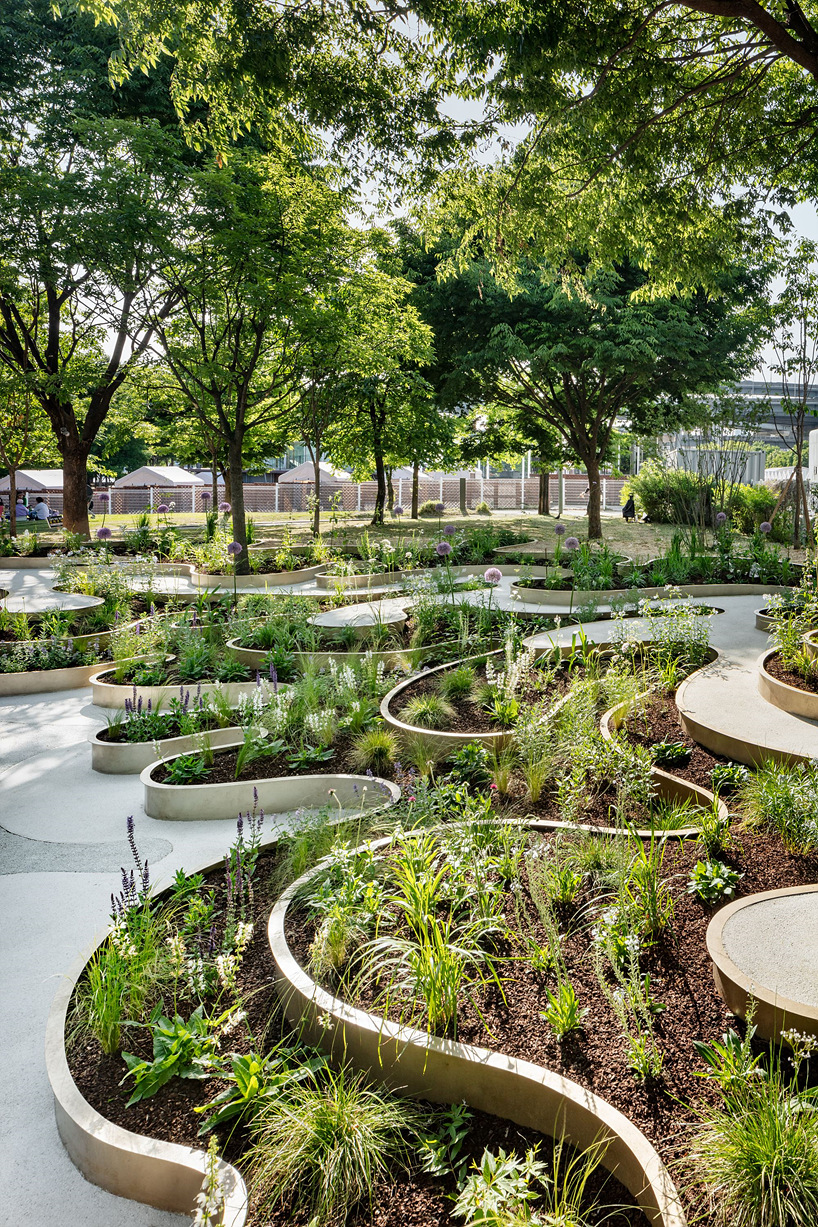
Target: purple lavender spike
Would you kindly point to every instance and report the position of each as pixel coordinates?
(274, 677)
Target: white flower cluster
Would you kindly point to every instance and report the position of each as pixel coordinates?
(178, 954)
(210, 1200)
(196, 978)
(122, 941)
(244, 932)
(321, 724)
(506, 681)
(278, 712)
(250, 706)
(227, 967)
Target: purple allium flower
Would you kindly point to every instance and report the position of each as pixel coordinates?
(443, 548)
(450, 530)
(103, 534)
(571, 543)
(560, 530)
(225, 507)
(493, 575)
(440, 507)
(205, 496)
(234, 548)
(104, 497)
(721, 518)
(163, 509)
(765, 527)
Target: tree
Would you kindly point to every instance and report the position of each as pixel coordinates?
(259, 242)
(793, 333)
(627, 101)
(578, 353)
(24, 436)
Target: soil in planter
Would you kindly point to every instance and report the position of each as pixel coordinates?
(171, 678)
(276, 766)
(470, 717)
(596, 1057)
(413, 1199)
(777, 669)
(170, 727)
(659, 721)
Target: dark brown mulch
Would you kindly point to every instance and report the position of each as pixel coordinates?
(779, 671)
(223, 770)
(470, 717)
(681, 978)
(413, 1199)
(660, 722)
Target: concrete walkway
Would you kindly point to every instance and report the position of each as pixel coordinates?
(62, 841)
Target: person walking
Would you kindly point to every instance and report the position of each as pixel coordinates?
(629, 510)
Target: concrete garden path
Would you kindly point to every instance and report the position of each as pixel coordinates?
(62, 841)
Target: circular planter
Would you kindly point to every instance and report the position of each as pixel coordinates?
(440, 739)
(374, 580)
(41, 681)
(788, 698)
(445, 1071)
(160, 1174)
(753, 955)
(261, 580)
(811, 644)
(281, 795)
(583, 596)
(110, 695)
(25, 562)
(669, 787)
(132, 757)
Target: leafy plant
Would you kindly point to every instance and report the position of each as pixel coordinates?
(469, 765)
(308, 756)
(441, 1148)
(728, 777)
(180, 1050)
(563, 1013)
(187, 769)
(731, 1060)
(671, 753)
(783, 798)
(712, 881)
(255, 1079)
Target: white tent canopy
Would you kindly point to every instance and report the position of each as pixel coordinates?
(159, 475)
(35, 480)
(306, 472)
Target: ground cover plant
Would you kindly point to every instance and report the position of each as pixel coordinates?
(175, 1032)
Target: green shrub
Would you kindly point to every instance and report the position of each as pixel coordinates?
(456, 683)
(325, 1143)
(482, 509)
(757, 1155)
(429, 508)
(374, 750)
(783, 798)
(428, 711)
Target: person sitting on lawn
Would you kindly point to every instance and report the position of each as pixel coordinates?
(42, 511)
(20, 509)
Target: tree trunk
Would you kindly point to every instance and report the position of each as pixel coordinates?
(228, 485)
(74, 485)
(316, 511)
(377, 416)
(415, 476)
(594, 500)
(390, 490)
(234, 454)
(543, 495)
(12, 502)
(214, 474)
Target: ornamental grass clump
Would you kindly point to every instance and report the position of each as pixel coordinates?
(428, 711)
(324, 1144)
(784, 799)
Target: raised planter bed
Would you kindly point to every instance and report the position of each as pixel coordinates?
(259, 579)
(132, 757)
(109, 694)
(563, 596)
(25, 562)
(378, 579)
(156, 1173)
(781, 694)
(279, 795)
(811, 644)
(735, 940)
(669, 787)
(450, 1072)
(41, 681)
(439, 738)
